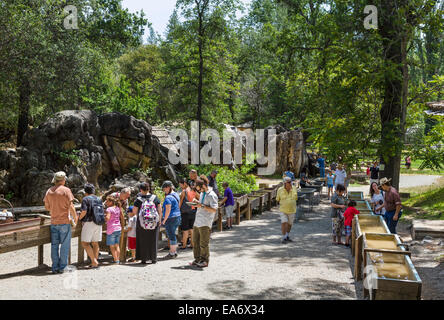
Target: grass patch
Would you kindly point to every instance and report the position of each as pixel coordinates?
(426, 202)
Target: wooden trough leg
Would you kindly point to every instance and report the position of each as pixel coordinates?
(123, 242)
(80, 252)
(269, 201)
(261, 205)
(40, 248)
(248, 209)
(353, 238)
(219, 219)
(358, 258)
(238, 214)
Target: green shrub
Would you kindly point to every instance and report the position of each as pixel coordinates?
(240, 180)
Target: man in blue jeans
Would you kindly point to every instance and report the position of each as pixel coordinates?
(392, 204)
(59, 202)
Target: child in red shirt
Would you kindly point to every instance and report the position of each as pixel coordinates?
(348, 218)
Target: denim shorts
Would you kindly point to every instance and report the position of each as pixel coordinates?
(114, 238)
(171, 226)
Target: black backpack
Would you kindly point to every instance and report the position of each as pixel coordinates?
(97, 211)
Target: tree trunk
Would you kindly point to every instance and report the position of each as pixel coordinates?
(23, 120)
(201, 71)
(391, 110)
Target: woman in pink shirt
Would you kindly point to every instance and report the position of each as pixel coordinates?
(114, 218)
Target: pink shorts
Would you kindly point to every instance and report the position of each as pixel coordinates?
(131, 243)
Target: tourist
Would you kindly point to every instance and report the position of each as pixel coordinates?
(289, 174)
(392, 204)
(228, 203)
(171, 217)
(207, 208)
(304, 182)
(212, 183)
(336, 212)
(333, 166)
(377, 199)
(91, 231)
(348, 218)
(187, 212)
(340, 176)
(114, 221)
(408, 162)
(287, 197)
(368, 170)
(146, 239)
(192, 178)
(321, 162)
(132, 234)
(330, 178)
(374, 173)
(348, 172)
(59, 202)
(123, 197)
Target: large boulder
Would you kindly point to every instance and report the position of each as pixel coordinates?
(88, 147)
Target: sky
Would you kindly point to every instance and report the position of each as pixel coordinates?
(157, 12)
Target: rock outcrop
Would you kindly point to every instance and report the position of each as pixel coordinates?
(88, 147)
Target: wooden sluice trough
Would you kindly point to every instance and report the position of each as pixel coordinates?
(363, 207)
(355, 195)
(388, 269)
(363, 223)
(34, 230)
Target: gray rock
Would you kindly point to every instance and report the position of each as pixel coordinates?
(88, 147)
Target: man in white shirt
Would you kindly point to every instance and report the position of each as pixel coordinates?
(340, 176)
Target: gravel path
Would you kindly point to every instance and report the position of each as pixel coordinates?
(247, 262)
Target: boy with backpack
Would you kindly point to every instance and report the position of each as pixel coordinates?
(92, 217)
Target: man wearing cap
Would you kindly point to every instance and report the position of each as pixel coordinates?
(91, 232)
(287, 197)
(392, 204)
(59, 202)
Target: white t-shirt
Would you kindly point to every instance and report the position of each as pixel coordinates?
(375, 199)
(205, 218)
(132, 223)
(340, 177)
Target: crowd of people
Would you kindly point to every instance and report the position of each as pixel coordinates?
(193, 209)
(384, 198)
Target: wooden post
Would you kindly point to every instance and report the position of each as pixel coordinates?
(40, 248)
(219, 219)
(123, 243)
(261, 199)
(270, 196)
(238, 213)
(248, 209)
(80, 252)
(353, 237)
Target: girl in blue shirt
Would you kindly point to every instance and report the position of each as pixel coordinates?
(330, 178)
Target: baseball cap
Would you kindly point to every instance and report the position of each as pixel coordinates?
(287, 179)
(59, 176)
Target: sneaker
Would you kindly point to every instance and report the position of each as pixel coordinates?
(194, 263)
(170, 256)
(289, 240)
(202, 264)
(284, 241)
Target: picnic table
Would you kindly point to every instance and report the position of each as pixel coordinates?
(309, 194)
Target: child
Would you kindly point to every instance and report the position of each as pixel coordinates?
(348, 218)
(336, 211)
(229, 204)
(132, 223)
(113, 217)
(329, 183)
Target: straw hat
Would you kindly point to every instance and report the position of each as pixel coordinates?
(384, 181)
